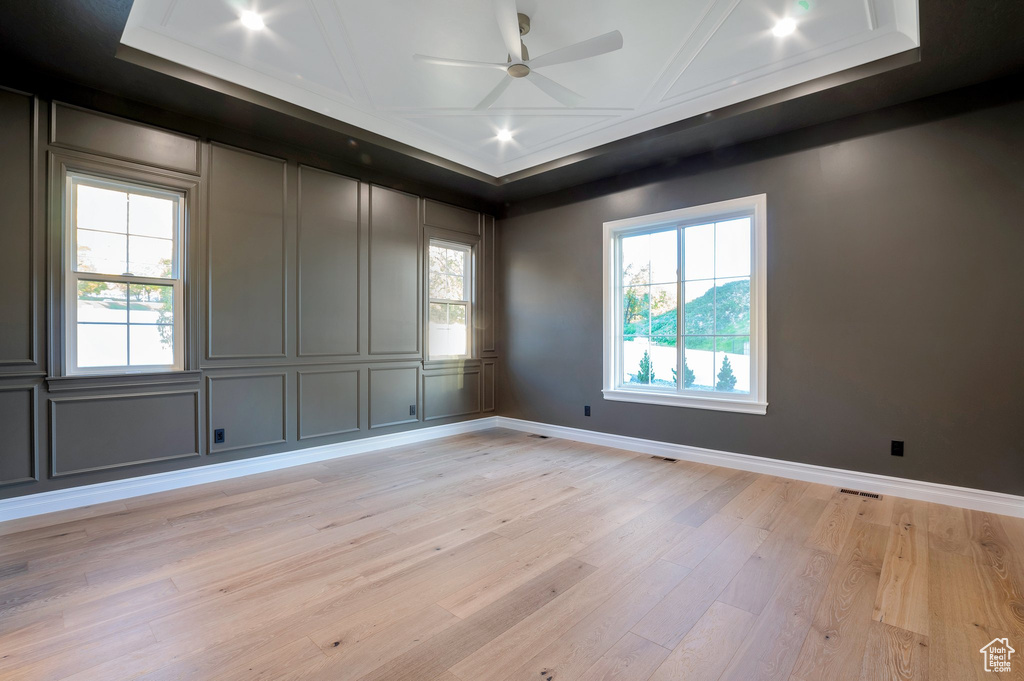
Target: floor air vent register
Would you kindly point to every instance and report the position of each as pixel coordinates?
(869, 495)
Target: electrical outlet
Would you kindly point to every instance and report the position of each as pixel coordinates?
(412, 410)
(897, 447)
(218, 436)
(586, 410)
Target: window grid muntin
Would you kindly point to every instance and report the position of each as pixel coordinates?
(73, 275)
(465, 301)
(679, 228)
(76, 179)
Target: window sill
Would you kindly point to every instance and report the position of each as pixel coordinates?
(675, 400)
(86, 382)
(450, 363)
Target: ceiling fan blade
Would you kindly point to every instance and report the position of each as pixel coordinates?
(441, 61)
(562, 94)
(493, 95)
(602, 44)
(508, 23)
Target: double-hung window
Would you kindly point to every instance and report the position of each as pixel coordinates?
(123, 277)
(685, 307)
(450, 305)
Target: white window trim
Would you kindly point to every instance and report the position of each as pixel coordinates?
(72, 277)
(468, 278)
(757, 401)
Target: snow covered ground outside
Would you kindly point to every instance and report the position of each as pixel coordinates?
(704, 364)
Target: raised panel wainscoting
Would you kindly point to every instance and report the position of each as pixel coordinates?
(453, 392)
(329, 402)
(394, 269)
(330, 264)
(19, 434)
(18, 237)
(302, 309)
(247, 255)
(104, 432)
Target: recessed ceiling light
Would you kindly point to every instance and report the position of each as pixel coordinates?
(252, 21)
(504, 135)
(784, 27)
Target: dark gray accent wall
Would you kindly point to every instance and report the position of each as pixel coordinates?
(18, 439)
(247, 255)
(251, 408)
(450, 217)
(451, 392)
(394, 398)
(329, 257)
(895, 307)
(394, 273)
(74, 128)
(488, 321)
(489, 371)
(329, 401)
(18, 178)
(103, 432)
(303, 306)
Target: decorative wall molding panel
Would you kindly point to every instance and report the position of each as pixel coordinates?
(19, 434)
(680, 58)
(394, 241)
(488, 384)
(79, 129)
(103, 432)
(451, 392)
(330, 256)
(394, 395)
(18, 236)
(251, 408)
(328, 402)
(247, 255)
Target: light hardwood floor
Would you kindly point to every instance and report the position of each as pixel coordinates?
(499, 556)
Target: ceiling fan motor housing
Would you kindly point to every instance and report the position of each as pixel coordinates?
(524, 23)
(521, 70)
(518, 70)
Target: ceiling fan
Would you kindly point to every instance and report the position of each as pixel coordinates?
(513, 27)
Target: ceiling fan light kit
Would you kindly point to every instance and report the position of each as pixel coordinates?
(513, 25)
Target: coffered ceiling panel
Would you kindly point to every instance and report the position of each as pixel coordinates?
(353, 60)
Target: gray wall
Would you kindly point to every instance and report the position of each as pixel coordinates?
(304, 308)
(895, 299)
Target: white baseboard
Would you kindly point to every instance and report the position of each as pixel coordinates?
(963, 497)
(87, 495)
(116, 490)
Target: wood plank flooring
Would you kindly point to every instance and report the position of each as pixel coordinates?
(502, 557)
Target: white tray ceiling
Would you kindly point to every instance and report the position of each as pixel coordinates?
(352, 60)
